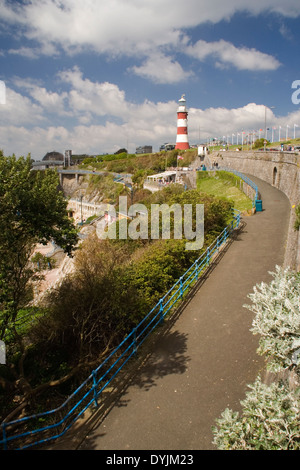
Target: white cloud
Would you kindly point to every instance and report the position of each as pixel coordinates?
(129, 27)
(161, 69)
(226, 53)
(148, 123)
(50, 102)
(25, 119)
(19, 110)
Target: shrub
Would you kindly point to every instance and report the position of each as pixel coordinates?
(270, 413)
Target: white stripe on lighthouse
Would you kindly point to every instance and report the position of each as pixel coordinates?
(181, 122)
(182, 138)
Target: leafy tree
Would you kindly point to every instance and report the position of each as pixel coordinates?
(259, 143)
(32, 211)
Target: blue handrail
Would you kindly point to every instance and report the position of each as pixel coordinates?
(96, 383)
(88, 393)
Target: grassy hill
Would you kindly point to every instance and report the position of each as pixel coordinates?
(224, 185)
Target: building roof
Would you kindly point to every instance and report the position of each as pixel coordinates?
(54, 156)
(163, 175)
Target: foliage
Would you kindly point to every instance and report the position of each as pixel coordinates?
(269, 420)
(277, 318)
(42, 262)
(226, 185)
(270, 413)
(297, 221)
(106, 186)
(115, 283)
(131, 163)
(32, 211)
(259, 143)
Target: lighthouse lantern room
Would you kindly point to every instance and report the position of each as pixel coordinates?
(182, 142)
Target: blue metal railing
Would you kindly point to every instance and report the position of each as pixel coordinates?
(246, 180)
(15, 434)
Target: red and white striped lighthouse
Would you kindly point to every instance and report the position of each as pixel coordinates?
(182, 142)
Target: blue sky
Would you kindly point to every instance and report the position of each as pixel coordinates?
(94, 76)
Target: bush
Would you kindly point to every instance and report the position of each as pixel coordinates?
(269, 421)
(270, 413)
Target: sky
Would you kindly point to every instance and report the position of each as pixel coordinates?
(94, 76)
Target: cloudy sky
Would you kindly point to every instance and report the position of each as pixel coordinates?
(97, 75)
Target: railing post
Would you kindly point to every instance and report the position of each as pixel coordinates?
(181, 288)
(161, 310)
(134, 341)
(95, 388)
(207, 256)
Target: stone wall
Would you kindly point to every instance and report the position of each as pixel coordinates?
(281, 170)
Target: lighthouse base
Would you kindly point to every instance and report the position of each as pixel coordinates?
(182, 146)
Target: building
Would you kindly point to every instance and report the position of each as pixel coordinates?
(144, 149)
(166, 147)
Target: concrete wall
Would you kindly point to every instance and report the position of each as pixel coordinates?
(281, 170)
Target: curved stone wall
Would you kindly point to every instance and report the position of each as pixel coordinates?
(280, 169)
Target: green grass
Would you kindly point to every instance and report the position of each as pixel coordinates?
(223, 187)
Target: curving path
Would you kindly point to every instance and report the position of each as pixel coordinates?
(204, 361)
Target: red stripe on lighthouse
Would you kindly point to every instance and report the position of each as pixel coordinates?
(182, 130)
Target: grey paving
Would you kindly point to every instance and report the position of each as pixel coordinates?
(204, 360)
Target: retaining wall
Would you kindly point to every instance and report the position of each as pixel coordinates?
(281, 170)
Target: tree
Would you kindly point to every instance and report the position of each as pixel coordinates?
(270, 413)
(32, 210)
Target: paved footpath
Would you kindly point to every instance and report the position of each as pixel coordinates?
(204, 361)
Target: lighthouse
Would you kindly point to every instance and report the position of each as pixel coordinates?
(182, 141)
